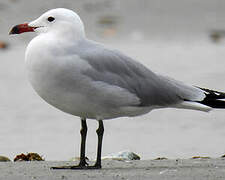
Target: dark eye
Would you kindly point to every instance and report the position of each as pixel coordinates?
(50, 19)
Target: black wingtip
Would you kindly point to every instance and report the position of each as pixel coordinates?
(219, 104)
(214, 99)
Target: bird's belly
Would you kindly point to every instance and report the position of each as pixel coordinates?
(72, 103)
(55, 91)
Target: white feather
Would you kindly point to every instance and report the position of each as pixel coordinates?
(193, 106)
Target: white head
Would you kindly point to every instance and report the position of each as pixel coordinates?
(60, 21)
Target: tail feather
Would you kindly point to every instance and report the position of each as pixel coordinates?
(213, 99)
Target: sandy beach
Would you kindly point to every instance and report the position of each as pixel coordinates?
(188, 169)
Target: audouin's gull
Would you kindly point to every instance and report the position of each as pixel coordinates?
(85, 79)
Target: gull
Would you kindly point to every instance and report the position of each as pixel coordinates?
(84, 78)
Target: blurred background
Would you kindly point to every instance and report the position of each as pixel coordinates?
(183, 39)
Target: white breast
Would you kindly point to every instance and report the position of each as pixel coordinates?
(49, 71)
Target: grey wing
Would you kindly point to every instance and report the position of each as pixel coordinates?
(114, 68)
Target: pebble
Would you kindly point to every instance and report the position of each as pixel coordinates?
(123, 155)
(217, 35)
(28, 157)
(4, 159)
(200, 157)
(3, 45)
(161, 158)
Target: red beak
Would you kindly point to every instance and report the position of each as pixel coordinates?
(21, 28)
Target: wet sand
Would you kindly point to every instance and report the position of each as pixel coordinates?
(181, 169)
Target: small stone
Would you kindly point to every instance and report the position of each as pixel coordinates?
(123, 155)
(64, 177)
(28, 157)
(4, 159)
(34, 157)
(21, 157)
(3, 45)
(200, 157)
(217, 35)
(107, 20)
(161, 158)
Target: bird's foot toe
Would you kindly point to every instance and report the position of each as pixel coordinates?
(78, 167)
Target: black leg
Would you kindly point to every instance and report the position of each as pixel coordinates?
(83, 133)
(100, 132)
(83, 164)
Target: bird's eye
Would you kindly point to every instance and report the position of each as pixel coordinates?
(50, 19)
